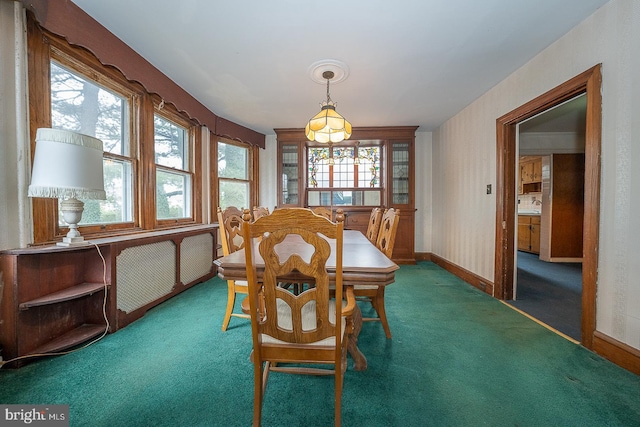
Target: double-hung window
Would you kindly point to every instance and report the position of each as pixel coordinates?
(81, 105)
(234, 174)
(173, 169)
(152, 153)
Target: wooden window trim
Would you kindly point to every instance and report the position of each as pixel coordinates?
(254, 172)
(195, 143)
(43, 47)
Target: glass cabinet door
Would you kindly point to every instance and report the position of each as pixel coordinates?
(400, 173)
(289, 181)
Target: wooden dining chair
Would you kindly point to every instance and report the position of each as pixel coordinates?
(323, 211)
(259, 211)
(374, 225)
(297, 333)
(375, 293)
(230, 223)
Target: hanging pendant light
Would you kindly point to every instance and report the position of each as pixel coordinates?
(328, 126)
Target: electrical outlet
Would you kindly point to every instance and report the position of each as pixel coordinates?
(488, 188)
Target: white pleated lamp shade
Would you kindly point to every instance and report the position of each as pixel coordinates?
(67, 165)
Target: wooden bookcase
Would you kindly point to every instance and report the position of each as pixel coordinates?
(54, 298)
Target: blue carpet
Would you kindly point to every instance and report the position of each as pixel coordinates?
(550, 292)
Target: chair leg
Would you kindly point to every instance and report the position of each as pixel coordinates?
(231, 300)
(339, 373)
(378, 305)
(258, 392)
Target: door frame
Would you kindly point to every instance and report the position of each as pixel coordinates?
(588, 82)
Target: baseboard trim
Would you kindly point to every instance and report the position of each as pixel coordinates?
(611, 349)
(617, 352)
(473, 279)
(423, 256)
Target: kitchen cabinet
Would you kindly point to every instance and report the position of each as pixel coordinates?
(530, 177)
(529, 233)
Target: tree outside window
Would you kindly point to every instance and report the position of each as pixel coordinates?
(234, 185)
(173, 180)
(80, 105)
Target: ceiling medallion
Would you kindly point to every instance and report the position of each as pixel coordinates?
(339, 69)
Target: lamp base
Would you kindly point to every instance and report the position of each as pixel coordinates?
(72, 241)
(72, 213)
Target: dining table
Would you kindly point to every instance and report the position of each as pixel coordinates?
(362, 264)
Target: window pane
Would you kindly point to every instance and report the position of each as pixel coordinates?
(171, 148)
(344, 198)
(369, 168)
(400, 171)
(173, 196)
(81, 106)
(234, 193)
(318, 167)
(319, 198)
(118, 205)
(290, 174)
(233, 161)
(369, 198)
(343, 168)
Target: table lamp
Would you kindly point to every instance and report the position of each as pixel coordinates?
(67, 165)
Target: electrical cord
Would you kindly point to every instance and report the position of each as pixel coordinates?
(104, 314)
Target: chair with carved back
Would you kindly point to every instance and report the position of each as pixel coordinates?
(374, 225)
(230, 223)
(375, 293)
(259, 211)
(323, 211)
(297, 333)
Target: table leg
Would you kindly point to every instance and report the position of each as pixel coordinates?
(360, 361)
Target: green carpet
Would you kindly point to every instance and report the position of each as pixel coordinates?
(457, 358)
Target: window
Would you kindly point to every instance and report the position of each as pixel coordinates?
(234, 175)
(152, 157)
(346, 178)
(173, 176)
(80, 105)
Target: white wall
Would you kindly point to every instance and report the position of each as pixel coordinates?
(423, 200)
(464, 158)
(269, 173)
(15, 211)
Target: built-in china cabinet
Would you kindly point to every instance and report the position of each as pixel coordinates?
(375, 167)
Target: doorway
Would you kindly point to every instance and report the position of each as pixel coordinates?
(550, 212)
(589, 83)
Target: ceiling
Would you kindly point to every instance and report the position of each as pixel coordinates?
(570, 116)
(409, 62)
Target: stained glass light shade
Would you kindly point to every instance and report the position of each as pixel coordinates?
(328, 126)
